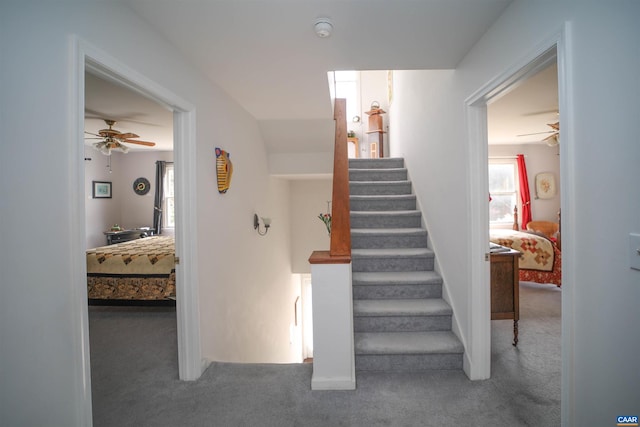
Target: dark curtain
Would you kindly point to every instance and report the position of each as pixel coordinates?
(157, 206)
(525, 197)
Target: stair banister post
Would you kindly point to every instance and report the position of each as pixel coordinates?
(333, 353)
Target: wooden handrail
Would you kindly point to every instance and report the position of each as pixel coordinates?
(340, 246)
(340, 210)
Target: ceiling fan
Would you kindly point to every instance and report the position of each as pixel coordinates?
(112, 139)
(553, 139)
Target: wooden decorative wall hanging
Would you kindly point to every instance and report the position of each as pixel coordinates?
(224, 169)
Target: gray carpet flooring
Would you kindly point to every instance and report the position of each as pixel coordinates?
(135, 380)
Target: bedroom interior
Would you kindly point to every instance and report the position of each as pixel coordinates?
(537, 146)
(116, 155)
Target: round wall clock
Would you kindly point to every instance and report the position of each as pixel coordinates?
(141, 186)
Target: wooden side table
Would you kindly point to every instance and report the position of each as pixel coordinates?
(505, 288)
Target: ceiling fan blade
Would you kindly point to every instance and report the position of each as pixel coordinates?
(539, 113)
(126, 135)
(536, 133)
(554, 126)
(91, 133)
(550, 137)
(147, 143)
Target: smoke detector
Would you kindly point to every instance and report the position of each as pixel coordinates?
(323, 27)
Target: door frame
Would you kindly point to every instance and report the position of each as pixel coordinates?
(478, 363)
(87, 57)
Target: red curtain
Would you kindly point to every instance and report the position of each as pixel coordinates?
(525, 198)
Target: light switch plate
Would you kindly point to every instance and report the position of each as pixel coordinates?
(634, 251)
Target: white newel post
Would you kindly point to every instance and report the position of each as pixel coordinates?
(333, 352)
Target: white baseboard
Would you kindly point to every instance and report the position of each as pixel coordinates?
(333, 383)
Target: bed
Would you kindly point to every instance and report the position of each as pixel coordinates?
(141, 269)
(540, 257)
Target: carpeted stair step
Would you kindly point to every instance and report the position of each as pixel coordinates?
(387, 202)
(357, 188)
(404, 315)
(395, 174)
(407, 351)
(404, 259)
(386, 219)
(396, 285)
(363, 238)
(383, 163)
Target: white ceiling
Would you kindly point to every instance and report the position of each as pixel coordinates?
(131, 111)
(266, 55)
(526, 109)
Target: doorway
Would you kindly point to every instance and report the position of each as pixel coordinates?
(519, 136)
(127, 335)
(539, 57)
(88, 58)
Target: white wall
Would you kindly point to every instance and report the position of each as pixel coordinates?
(137, 211)
(100, 214)
(308, 233)
(247, 291)
(373, 88)
(539, 158)
(601, 339)
(125, 208)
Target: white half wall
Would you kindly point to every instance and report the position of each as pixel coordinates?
(333, 346)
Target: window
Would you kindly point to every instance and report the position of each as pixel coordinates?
(347, 87)
(169, 217)
(503, 182)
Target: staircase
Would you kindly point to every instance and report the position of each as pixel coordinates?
(401, 322)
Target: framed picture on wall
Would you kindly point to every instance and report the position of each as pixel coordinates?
(545, 185)
(101, 189)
